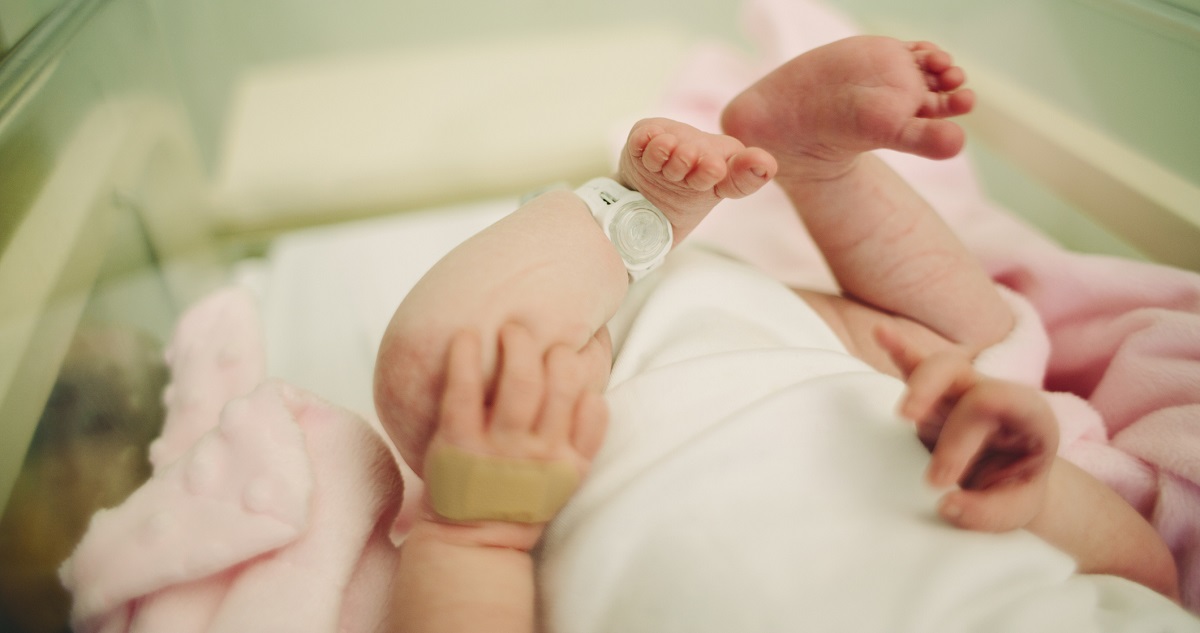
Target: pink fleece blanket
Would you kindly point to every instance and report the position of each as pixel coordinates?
(1124, 336)
(268, 509)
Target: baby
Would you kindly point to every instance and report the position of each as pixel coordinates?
(502, 349)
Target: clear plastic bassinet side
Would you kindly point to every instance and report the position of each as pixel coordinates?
(101, 243)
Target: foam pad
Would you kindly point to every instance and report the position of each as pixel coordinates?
(467, 486)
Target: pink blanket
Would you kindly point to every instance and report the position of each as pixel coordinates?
(1124, 336)
(268, 509)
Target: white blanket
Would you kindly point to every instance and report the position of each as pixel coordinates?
(755, 478)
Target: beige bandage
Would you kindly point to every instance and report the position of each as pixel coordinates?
(470, 487)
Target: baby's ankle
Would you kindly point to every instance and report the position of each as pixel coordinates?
(816, 170)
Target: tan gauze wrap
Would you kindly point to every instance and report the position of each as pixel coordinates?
(470, 487)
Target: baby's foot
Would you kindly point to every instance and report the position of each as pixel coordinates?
(686, 172)
(817, 112)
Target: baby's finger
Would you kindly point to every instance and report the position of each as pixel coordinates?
(462, 399)
(997, 509)
(942, 377)
(959, 444)
(591, 422)
(597, 360)
(565, 380)
(906, 357)
(520, 383)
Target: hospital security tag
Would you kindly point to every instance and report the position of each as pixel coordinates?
(640, 232)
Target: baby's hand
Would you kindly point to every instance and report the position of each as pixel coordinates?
(543, 408)
(995, 439)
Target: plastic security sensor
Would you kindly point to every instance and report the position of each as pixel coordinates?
(640, 232)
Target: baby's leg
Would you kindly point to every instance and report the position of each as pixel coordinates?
(818, 115)
(549, 267)
(686, 172)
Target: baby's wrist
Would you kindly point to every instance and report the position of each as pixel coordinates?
(491, 534)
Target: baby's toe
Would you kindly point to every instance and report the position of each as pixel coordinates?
(658, 152)
(941, 105)
(951, 79)
(709, 171)
(931, 138)
(748, 171)
(681, 163)
(960, 102)
(934, 60)
(640, 136)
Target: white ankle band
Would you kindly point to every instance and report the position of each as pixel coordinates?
(640, 232)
